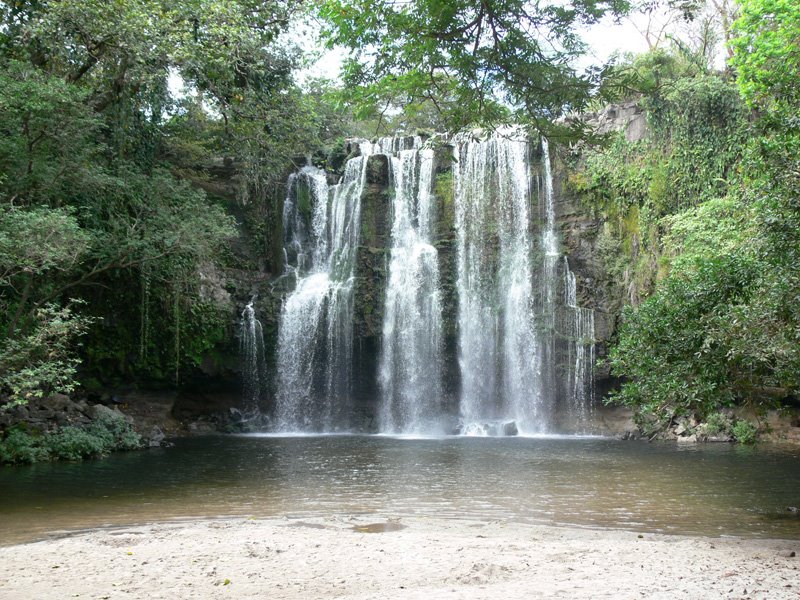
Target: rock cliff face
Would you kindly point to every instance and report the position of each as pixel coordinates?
(372, 259)
(581, 228)
(580, 231)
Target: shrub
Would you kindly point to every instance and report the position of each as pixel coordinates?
(744, 432)
(76, 443)
(116, 432)
(717, 423)
(666, 348)
(20, 447)
(109, 433)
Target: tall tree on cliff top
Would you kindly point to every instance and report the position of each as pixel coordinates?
(479, 61)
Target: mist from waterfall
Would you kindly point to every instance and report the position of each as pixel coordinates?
(410, 368)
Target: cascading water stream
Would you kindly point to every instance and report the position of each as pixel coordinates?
(315, 337)
(251, 350)
(580, 332)
(499, 348)
(509, 343)
(410, 365)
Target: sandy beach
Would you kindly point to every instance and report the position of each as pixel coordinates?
(392, 558)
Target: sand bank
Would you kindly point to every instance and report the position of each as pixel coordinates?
(408, 558)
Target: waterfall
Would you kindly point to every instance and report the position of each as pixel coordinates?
(305, 218)
(508, 288)
(251, 351)
(525, 348)
(315, 338)
(410, 365)
(580, 358)
(500, 350)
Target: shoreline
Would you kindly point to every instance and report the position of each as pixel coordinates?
(366, 556)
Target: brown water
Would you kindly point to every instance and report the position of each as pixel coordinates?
(698, 490)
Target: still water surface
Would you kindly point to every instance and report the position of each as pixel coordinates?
(706, 489)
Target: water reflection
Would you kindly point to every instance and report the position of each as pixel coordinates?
(707, 489)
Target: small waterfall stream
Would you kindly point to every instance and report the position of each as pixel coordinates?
(254, 365)
(581, 354)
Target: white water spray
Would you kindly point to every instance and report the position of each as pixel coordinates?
(254, 366)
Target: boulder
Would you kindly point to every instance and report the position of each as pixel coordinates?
(235, 415)
(100, 411)
(156, 437)
(57, 403)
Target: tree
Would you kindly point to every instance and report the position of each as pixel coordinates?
(45, 360)
(724, 324)
(767, 61)
(103, 172)
(767, 56)
(480, 61)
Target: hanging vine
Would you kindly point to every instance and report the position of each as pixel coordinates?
(177, 317)
(144, 329)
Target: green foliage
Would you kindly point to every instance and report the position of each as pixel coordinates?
(650, 75)
(75, 443)
(765, 334)
(717, 227)
(20, 447)
(109, 433)
(464, 56)
(701, 128)
(716, 423)
(104, 173)
(723, 326)
(668, 349)
(698, 129)
(35, 241)
(767, 56)
(44, 361)
(744, 432)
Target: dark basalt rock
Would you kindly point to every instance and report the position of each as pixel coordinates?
(378, 170)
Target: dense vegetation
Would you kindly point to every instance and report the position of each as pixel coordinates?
(106, 231)
(112, 226)
(110, 432)
(703, 228)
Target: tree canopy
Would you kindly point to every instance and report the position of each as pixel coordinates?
(482, 62)
(103, 171)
